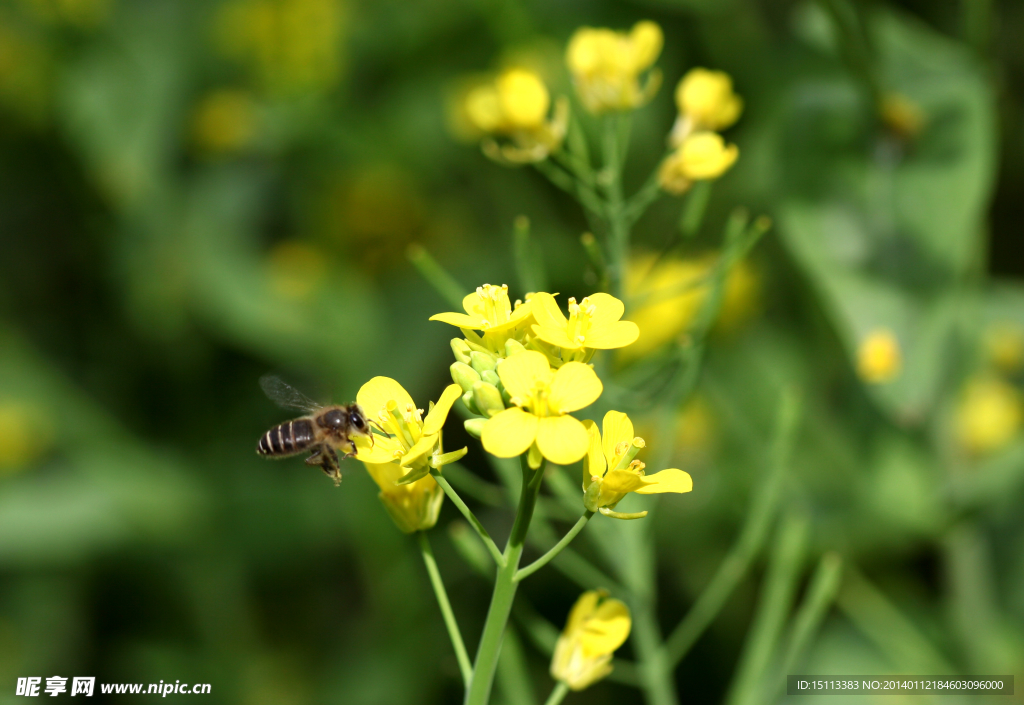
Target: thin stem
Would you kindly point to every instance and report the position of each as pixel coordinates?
(443, 282)
(775, 601)
(557, 694)
(470, 516)
(555, 550)
(820, 595)
(446, 609)
(577, 189)
(479, 690)
(618, 245)
(751, 538)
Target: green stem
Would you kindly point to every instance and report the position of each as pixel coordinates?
(443, 282)
(774, 604)
(618, 222)
(446, 609)
(557, 694)
(655, 672)
(820, 595)
(555, 550)
(492, 548)
(752, 537)
(479, 689)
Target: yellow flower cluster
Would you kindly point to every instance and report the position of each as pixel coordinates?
(879, 357)
(596, 627)
(989, 415)
(400, 463)
(606, 66)
(515, 105)
(706, 104)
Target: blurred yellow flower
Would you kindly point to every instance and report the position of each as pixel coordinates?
(706, 102)
(989, 415)
(515, 105)
(596, 627)
(23, 437)
(295, 269)
(593, 324)
(225, 121)
(606, 66)
(1004, 345)
(702, 156)
(669, 293)
(902, 115)
(879, 357)
(292, 46)
(610, 470)
(542, 399)
(413, 447)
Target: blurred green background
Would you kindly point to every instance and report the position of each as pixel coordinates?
(193, 194)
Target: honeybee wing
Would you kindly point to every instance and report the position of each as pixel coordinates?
(287, 396)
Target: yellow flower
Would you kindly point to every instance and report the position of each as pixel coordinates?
(401, 463)
(593, 324)
(489, 310)
(225, 121)
(702, 156)
(597, 626)
(292, 46)
(902, 115)
(989, 415)
(1004, 345)
(515, 105)
(669, 293)
(706, 102)
(539, 419)
(24, 435)
(879, 357)
(610, 470)
(606, 66)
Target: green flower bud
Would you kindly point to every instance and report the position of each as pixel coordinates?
(464, 376)
(482, 361)
(461, 349)
(512, 347)
(491, 377)
(475, 427)
(591, 496)
(467, 399)
(488, 399)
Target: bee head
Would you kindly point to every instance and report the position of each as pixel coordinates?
(358, 420)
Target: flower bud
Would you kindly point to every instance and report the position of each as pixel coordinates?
(482, 361)
(461, 349)
(488, 399)
(596, 627)
(464, 376)
(512, 347)
(475, 427)
(491, 377)
(467, 399)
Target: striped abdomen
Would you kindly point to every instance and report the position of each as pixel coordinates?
(287, 439)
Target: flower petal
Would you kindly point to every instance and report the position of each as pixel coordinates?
(375, 395)
(461, 320)
(615, 429)
(473, 304)
(621, 482)
(609, 309)
(385, 474)
(613, 335)
(585, 606)
(546, 311)
(509, 433)
(670, 480)
(594, 464)
(383, 450)
(607, 628)
(562, 439)
(521, 372)
(423, 446)
(555, 336)
(573, 387)
(435, 419)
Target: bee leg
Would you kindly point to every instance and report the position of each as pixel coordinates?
(327, 459)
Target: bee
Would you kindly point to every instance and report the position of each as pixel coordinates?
(325, 431)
